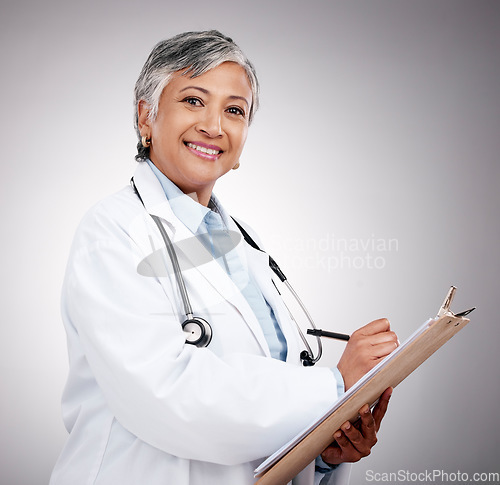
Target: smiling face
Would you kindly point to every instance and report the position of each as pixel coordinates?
(201, 127)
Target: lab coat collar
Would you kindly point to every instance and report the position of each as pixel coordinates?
(156, 203)
(192, 212)
(152, 194)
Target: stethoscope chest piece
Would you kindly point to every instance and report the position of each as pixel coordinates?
(198, 332)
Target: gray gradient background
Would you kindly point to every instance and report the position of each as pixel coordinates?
(379, 119)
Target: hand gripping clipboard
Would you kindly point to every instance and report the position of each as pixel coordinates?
(294, 456)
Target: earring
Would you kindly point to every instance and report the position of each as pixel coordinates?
(146, 142)
(237, 165)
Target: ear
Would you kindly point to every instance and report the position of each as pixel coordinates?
(143, 122)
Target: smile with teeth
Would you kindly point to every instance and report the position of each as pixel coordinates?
(208, 151)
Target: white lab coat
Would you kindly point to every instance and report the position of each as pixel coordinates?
(141, 406)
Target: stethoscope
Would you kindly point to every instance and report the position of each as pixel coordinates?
(199, 332)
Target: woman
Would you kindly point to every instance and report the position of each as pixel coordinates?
(142, 406)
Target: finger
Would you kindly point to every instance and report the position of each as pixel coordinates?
(356, 438)
(383, 349)
(377, 326)
(332, 455)
(381, 407)
(383, 337)
(348, 452)
(367, 426)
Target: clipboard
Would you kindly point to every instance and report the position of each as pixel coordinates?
(294, 456)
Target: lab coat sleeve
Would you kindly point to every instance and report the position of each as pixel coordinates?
(186, 401)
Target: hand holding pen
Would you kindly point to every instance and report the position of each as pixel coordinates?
(365, 348)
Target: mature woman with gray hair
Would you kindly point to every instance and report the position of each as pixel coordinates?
(184, 362)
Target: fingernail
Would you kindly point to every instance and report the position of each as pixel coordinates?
(367, 410)
(337, 435)
(347, 426)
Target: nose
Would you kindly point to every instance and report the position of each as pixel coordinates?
(211, 123)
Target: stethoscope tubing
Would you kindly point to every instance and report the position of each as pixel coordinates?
(175, 263)
(307, 356)
(311, 321)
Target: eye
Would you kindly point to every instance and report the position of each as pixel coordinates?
(236, 111)
(193, 101)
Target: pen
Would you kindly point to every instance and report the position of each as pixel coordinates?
(317, 332)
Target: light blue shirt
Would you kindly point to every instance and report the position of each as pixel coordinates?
(207, 223)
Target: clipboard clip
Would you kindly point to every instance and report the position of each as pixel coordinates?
(465, 312)
(445, 307)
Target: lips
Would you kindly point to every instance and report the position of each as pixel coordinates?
(204, 150)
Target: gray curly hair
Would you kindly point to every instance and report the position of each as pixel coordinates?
(194, 52)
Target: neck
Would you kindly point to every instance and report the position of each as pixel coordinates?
(202, 197)
(199, 193)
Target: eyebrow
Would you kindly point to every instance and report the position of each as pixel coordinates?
(205, 91)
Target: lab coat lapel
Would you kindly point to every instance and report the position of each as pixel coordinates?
(219, 279)
(258, 262)
(156, 203)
